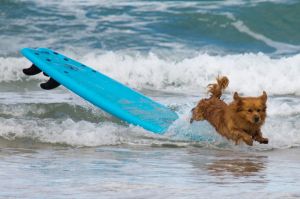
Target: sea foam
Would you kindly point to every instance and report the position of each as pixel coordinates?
(187, 78)
(249, 74)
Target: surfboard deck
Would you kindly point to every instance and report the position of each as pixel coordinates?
(100, 90)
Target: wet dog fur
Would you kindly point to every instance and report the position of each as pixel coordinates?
(240, 120)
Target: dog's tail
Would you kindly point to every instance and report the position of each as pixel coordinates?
(216, 89)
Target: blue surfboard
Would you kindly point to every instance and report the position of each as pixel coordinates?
(100, 90)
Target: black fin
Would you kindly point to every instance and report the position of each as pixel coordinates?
(32, 70)
(50, 84)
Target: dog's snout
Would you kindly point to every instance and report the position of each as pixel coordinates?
(256, 119)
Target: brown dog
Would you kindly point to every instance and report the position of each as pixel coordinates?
(240, 120)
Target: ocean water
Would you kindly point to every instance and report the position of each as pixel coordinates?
(53, 144)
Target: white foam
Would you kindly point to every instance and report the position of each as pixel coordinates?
(10, 68)
(68, 132)
(248, 73)
(281, 128)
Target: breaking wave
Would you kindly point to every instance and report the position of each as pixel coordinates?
(248, 73)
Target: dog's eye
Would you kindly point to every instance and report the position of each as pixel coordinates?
(250, 110)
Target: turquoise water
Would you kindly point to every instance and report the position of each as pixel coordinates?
(190, 26)
(53, 144)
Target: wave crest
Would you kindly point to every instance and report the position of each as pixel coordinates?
(248, 73)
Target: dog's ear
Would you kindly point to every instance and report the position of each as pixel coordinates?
(238, 101)
(264, 96)
(236, 96)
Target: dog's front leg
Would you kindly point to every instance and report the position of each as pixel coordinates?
(259, 138)
(238, 135)
(197, 114)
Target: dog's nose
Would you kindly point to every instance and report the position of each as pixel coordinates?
(256, 119)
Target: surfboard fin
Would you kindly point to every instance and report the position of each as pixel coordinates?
(32, 70)
(50, 84)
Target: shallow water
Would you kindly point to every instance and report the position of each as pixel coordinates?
(29, 170)
(53, 144)
(69, 149)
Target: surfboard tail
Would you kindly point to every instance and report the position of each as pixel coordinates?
(50, 84)
(32, 70)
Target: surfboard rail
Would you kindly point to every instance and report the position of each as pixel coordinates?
(99, 89)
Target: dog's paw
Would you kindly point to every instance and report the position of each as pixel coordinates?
(261, 140)
(264, 141)
(248, 140)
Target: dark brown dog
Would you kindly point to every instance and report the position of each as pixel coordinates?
(242, 119)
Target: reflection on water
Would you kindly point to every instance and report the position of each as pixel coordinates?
(229, 167)
(138, 171)
(237, 167)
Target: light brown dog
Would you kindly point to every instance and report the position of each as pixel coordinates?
(241, 120)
